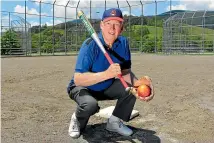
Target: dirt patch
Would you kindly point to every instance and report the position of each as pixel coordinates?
(36, 108)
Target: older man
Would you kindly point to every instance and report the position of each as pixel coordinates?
(95, 79)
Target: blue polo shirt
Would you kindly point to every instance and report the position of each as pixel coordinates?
(91, 59)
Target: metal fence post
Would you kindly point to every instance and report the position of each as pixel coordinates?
(66, 36)
(25, 40)
(141, 38)
(10, 33)
(204, 23)
(40, 36)
(155, 26)
(53, 34)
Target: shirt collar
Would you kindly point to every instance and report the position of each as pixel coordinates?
(116, 42)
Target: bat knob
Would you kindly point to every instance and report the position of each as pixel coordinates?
(80, 13)
(128, 89)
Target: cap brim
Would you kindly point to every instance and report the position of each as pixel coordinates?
(113, 18)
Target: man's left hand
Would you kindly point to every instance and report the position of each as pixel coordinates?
(148, 98)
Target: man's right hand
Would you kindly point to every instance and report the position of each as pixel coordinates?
(113, 70)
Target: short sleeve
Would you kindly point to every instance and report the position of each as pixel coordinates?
(85, 58)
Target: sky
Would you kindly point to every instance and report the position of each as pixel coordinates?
(17, 7)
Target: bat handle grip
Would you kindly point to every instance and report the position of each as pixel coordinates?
(119, 75)
(122, 81)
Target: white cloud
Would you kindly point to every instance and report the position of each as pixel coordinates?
(58, 21)
(50, 23)
(19, 9)
(59, 11)
(33, 11)
(30, 12)
(84, 5)
(127, 13)
(37, 2)
(177, 7)
(211, 6)
(34, 23)
(193, 5)
(55, 22)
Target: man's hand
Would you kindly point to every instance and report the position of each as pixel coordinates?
(113, 70)
(148, 98)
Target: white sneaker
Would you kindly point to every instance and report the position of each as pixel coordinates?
(119, 127)
(74, 128)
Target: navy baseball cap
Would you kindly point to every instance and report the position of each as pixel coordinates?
(113, 14)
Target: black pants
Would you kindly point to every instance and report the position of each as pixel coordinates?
(87, 102)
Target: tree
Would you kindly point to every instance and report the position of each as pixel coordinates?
(144, 29)
(9, 41)
(47, 47)
(44, 26)
(35, 41)
(35, 29)
(148, 44)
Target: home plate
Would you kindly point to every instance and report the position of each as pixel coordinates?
(106, 112)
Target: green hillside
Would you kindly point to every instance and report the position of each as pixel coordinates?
(151, 29)
(143, 37)
(208, 33)
(146, 42)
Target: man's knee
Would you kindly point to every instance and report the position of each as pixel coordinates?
(90, 107)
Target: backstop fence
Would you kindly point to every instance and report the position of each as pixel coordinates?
(53, 28)
(15, 35)
(189, 32)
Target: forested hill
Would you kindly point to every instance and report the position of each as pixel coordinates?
(146, 20)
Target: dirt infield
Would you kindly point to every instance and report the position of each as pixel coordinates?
(35, 107)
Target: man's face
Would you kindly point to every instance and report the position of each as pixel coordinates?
(111, 30)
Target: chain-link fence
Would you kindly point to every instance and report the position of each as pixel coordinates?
(53, 28)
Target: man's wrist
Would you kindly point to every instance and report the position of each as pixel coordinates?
(104, 75)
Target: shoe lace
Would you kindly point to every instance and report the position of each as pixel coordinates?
(120, 123)
(75, 124)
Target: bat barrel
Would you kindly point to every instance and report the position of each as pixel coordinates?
(85, 21)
